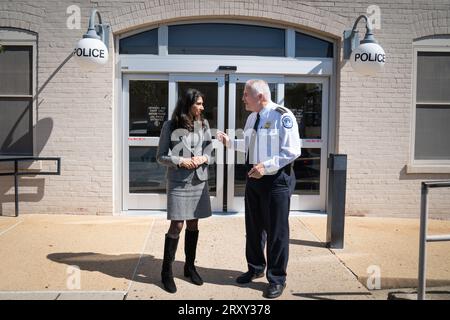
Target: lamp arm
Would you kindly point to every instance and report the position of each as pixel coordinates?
(92, 19)
(91, 29)
(98, 31)
(369, 37)
(368, 24)
(351, 38)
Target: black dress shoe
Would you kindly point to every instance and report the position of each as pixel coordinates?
(274, 290)
(249, 276)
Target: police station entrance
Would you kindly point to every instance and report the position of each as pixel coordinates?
(149, 100)
(151, 85)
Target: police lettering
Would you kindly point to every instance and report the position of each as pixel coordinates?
(377, 57)
(85, 52)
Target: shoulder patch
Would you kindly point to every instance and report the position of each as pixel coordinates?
(280, 110)
(287, 122)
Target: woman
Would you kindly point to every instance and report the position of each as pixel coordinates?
(183, 145)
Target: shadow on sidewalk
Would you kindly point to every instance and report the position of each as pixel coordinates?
(149, 268)
(307, 243)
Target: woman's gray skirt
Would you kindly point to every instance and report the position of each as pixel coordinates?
(188, 200)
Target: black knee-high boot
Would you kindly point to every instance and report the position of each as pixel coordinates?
(170, 247)
(190, 247)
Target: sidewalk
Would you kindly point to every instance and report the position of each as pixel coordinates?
(120, 257)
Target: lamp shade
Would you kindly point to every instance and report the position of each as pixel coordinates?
(91, 53)
(368, 59)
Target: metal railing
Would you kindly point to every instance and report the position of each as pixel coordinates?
(16, 173)
(424, 237)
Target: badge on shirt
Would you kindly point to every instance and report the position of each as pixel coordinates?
(267, 125)
(287, 122)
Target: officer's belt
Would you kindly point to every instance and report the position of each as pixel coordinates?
(287, 168)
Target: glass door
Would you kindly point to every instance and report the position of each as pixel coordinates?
(148, 101)
(146, 104)
(307, 98)
(237, 117)
(213, 87)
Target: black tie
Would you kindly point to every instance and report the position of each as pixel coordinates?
(251, 145)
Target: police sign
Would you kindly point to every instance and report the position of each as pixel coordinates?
(91, 53)
(368, 59)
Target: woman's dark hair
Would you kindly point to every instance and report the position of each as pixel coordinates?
(181, 116)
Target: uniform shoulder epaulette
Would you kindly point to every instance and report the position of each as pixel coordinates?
(281, 110)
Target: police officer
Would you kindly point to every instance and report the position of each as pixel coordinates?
(271, 144)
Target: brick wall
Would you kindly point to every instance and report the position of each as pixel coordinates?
(75, 107)
(374, 116)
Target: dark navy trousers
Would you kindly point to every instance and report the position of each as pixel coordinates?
(267, 203)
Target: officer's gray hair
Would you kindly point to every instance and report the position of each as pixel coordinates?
(259, 86)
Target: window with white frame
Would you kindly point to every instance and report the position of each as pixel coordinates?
(142, 43)
(432, 101)
(16, 93)
(226, 39)
(214, 38)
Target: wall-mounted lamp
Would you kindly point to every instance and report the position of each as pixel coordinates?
(366, 57)
(92, 50)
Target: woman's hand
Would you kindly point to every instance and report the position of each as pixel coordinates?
(199, 160)
(187, 163)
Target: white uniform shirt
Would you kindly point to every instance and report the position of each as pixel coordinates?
(278, 141)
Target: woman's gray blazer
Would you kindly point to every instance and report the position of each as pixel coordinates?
(173, 146)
